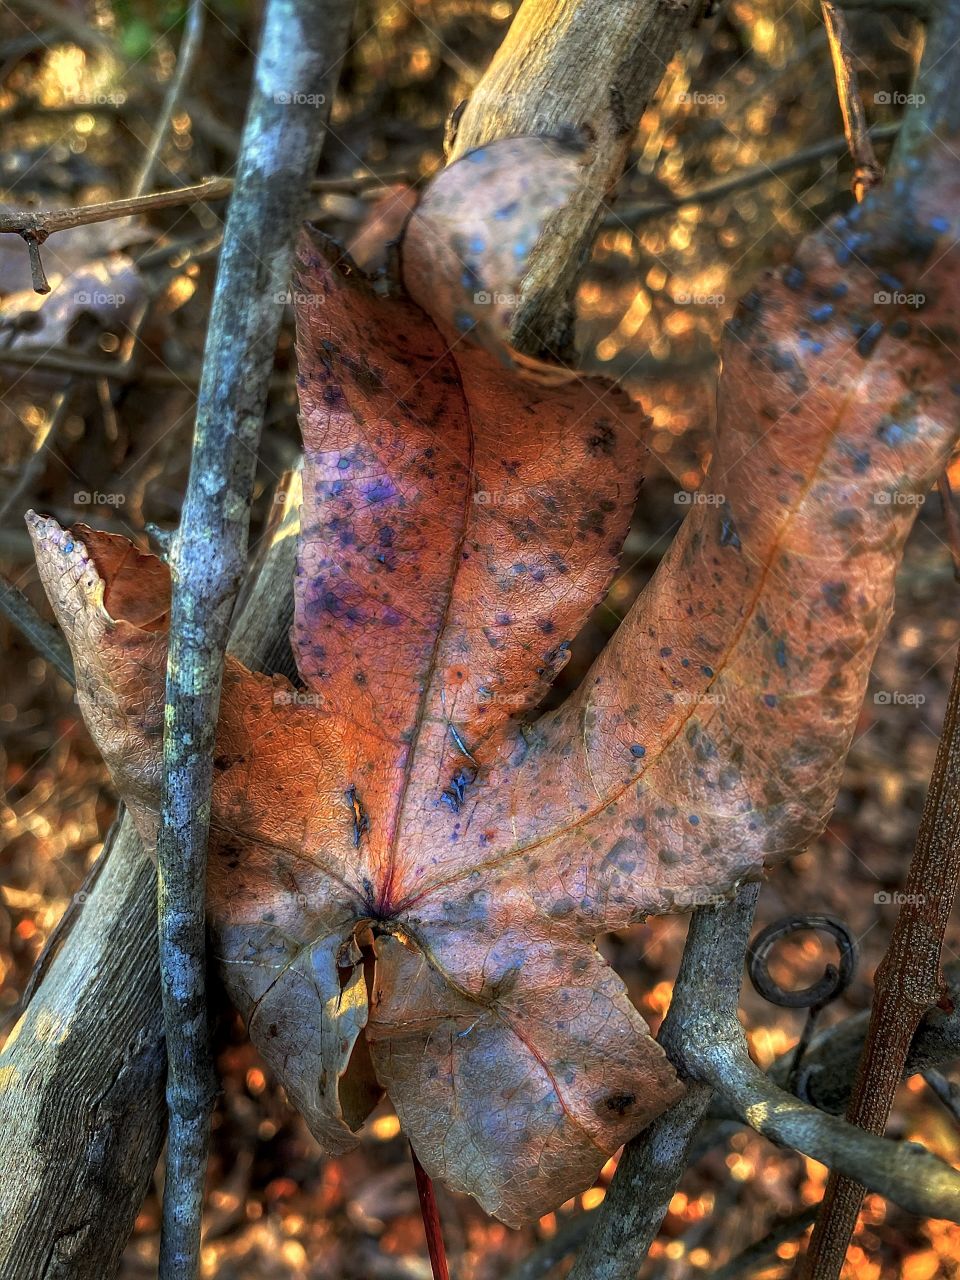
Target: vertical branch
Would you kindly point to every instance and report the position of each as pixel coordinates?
(302, 45)
(909, 981)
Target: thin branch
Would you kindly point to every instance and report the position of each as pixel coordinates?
(31, 469)
(44, 222)
(44, 636)
(867, 171)
(282, 138)
(759, 1254)
(36, 225)
(186, 56)
(742, 180)
(41, 223)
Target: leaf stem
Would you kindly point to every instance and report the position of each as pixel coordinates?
(431, 1220)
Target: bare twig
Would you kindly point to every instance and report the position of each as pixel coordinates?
(189, 48)
(278, 157)
(630, 215)
(31, 469)
(44, 636)
(36, 225)
(43, 223)
(759, 1254)
(867, 170)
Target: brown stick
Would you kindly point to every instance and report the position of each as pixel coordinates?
(36, 225)
(43, 223)
(909, 981)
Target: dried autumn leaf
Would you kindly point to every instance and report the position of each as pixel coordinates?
(459, 522)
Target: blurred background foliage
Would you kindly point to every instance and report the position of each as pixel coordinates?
(738, 156)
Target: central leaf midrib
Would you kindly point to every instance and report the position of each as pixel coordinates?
(384, 898)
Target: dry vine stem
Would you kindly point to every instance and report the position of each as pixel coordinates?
(867, 171)
(186, 55)
(35, 226)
